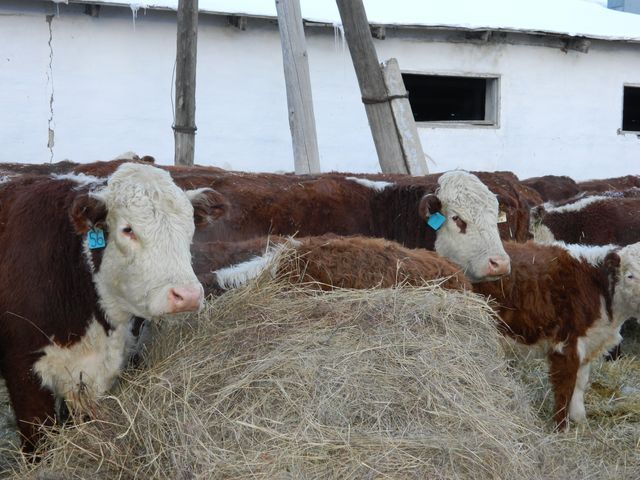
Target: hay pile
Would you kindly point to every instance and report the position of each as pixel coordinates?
(280, 383)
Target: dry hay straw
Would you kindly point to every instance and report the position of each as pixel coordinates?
(278, 383)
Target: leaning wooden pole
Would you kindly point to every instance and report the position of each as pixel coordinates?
(184, 123)
(375, 94)
(298, 82)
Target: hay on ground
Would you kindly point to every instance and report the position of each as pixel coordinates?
(273, 382)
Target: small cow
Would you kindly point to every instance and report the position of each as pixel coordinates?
(607, 218)
(571, 300)
(79, 258)
(324, 262)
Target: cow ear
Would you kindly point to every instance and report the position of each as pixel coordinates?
(429, 204)
(208, 205)
(87, 211)
(612, 262)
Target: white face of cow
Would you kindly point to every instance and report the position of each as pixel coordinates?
(469, 235)
(145, 269)
(626, 298)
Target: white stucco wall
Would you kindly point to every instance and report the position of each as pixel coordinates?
(559, 114)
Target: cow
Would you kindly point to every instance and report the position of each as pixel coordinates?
(254, 205)
(325, 262)
(569, 300)
(553, 188)
(606, 184)
(610, 217)
(79, 258)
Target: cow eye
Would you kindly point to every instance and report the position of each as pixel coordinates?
(629, 276)
(128, 231)
(455, 218)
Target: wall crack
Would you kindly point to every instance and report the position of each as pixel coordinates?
(50, 123)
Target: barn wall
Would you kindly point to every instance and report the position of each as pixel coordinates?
(112, 80)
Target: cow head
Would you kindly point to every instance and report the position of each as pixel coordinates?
(469, 235)
(623, 266)
(145, 267)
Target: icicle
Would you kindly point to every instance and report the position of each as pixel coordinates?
(338, 36)
(58, 2)
(134, 11)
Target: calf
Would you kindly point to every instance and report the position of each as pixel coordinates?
(571, 300)
(79, 258)
(324, 262)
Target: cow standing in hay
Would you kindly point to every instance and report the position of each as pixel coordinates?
(570, 300)
(78, 259)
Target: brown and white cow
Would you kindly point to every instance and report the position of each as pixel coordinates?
(607, 218)
(271, 204)
(570, 300)
(324, 262)
(65, 307)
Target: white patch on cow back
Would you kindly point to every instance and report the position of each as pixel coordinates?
(575, 206)
(81, 179)
(89, 367)
(241, 273)
(593, 254)
(373, 185)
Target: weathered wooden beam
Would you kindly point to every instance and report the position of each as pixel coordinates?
(92, 10)
(184, 127)
(578, 44)
(238, 21)
(379, 32)
(298, 82)
(405, 124)
(372, 86)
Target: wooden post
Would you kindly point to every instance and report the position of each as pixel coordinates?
(377, 96)
(298, 81)
(184, 122)
(405, 124)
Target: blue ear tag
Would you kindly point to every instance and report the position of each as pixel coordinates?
(436, 220)
(95, 237)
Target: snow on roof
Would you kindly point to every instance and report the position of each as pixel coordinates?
(584, 18)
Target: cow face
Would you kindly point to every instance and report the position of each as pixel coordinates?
(145, 268)
(624, 268)
(469, 235)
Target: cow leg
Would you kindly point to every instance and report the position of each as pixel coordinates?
(563, 370)
(577, 412)
(32, 404)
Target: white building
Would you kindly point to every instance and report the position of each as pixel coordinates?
(550, 83)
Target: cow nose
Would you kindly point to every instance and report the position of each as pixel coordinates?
(186, 298)
(499, 265)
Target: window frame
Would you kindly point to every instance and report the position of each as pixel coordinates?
(492, 101)
(621, 130)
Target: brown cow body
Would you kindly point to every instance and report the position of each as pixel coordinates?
(324, 262)
(553, 188)
(571, 300)
(611, 218)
